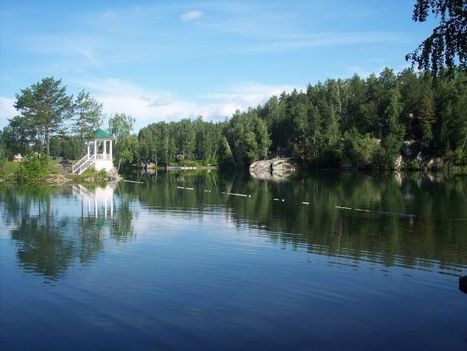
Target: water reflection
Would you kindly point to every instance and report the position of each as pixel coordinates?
(410, 221)
(160, 266)
(406, 220)
(99, 203)
(54, 229)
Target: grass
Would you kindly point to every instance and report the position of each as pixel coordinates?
(8, 171)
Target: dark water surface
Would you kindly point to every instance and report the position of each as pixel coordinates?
(155, 267)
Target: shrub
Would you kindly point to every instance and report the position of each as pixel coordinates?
(102, 173)
(458, 157)
(360, 149)
(34, 168)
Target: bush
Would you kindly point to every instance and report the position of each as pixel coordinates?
(458, 157)
(34, 168)
(361, 150)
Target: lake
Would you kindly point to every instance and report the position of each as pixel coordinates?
(317, 262)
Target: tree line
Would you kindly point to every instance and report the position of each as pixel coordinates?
(356, 122)
(359, 122)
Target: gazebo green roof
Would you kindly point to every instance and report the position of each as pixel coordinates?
(101, 134)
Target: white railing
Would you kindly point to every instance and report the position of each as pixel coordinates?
(79, 163)
(83, 164)
(81, 191)
(103, 157)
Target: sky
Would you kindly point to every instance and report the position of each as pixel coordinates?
(167, 60)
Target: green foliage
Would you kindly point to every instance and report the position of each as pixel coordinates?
(126, 144)
(34, 168)
(447, 44)
(360, 149)
(248, 138)
(3, 154)
(165, 143)
(91, 176)
(67, 147)
(44, 107)
(88, 115)
(358, 121)
(459, 156)
(226, 159)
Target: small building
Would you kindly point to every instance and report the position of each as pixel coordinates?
(99, 153)
(17, 158)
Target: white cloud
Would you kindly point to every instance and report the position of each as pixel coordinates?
(191, 15)
(148, 106)
(7, 110)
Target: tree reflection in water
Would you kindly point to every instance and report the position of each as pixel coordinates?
(53, 229)
(433, 235)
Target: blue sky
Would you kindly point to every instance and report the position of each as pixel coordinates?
(165, 60)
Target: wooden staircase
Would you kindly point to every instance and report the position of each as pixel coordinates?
(83, 164)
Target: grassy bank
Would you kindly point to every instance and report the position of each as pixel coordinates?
(41, 170)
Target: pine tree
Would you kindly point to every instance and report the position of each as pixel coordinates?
(46, 106)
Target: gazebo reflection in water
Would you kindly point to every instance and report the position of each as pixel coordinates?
(99, 202)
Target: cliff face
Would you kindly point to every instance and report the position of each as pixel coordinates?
(274, 169)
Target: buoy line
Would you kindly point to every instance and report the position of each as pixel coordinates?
(408, 215)
(184, 188)
(235, 194)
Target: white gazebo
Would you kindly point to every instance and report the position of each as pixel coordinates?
(99, 153)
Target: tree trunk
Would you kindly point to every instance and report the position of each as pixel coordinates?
(47, 141)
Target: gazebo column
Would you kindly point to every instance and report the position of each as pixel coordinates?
(110, 149)
(89, 146)
(105, 149)
(95, 148)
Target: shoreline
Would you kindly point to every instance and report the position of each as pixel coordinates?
(60, 176)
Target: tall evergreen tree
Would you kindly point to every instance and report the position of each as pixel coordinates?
(88, 114)
(47, 106)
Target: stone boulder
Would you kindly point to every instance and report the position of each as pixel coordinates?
(398, 163)
(273, 169)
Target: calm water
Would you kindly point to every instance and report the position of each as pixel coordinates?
(151, 266)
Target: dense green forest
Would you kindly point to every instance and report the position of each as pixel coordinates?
(356, 122)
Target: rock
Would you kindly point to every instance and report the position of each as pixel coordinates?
(398, 163)
(282, 166)
(261, 166)
(113, 175)
(274, 169)
(408, 148)
(419, 157)
(434, 163)
(463, 284)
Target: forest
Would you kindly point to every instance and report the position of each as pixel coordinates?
(385, 121)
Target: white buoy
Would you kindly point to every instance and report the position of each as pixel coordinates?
(184, 188)
(236, 194)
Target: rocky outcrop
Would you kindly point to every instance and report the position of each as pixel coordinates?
(273, 169)
(434, 163)
(113, 175)
(398, 163)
